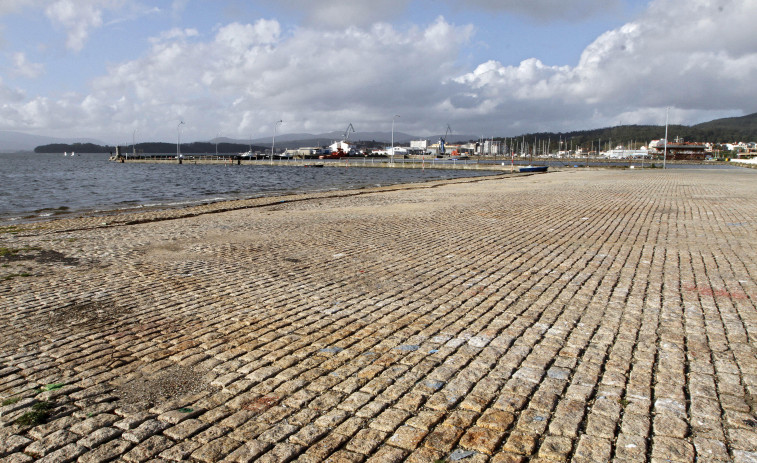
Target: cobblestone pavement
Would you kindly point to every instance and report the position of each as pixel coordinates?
(582, 316)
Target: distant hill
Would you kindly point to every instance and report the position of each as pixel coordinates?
(12, 142)
(150, 148)
(729, 129)
(724, 130)
(748, 122)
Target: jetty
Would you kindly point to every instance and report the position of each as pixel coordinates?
(427, 162)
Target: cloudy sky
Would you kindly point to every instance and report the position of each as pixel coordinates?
(109, 69)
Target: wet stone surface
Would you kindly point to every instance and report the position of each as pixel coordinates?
(572, 316)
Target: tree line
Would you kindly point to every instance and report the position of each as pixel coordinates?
(633, 136)
(718, 131)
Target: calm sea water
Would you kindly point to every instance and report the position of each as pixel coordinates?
(39, 186)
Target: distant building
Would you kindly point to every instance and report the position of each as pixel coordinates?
(342, 147)
(419, 144)
(620, 153)
(685, 151)
(305, 152)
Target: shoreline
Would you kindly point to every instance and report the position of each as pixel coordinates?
(64, 213)
(137, 215)
(193, 187)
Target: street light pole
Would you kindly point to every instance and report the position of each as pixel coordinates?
(273, 144)
(665, 150)
(393, 119)
(178, 140)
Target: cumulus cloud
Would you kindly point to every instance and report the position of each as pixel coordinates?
(691, 55)
(22, 67)
(77, 18)
(249, 75)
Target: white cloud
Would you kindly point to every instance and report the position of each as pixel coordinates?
(249, 75)
(133, 12)
(77, 18)
(24, 68)
(175, 34)
(694, 55)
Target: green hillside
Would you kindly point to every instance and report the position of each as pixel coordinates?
(748, 122)
(724, 130)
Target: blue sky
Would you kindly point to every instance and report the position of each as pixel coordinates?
(106, 68)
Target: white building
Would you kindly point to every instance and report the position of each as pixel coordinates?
(620, 153)
(396, 151)
(419, 144)
(345, 147)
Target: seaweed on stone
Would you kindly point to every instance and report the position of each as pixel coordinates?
(39, 413)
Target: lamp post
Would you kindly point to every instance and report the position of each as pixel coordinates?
(273, 144)
(217, 135)
(133, 145)
(178, 140)
(665, 150)
(393, 119)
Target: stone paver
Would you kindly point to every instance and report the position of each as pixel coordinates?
(572, 316)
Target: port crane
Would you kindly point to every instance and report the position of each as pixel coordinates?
(340, 145)
(346, 135)
(444, 140)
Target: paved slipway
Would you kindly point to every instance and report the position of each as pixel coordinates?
(570, 316)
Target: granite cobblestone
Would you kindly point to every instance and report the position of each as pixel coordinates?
(573, 316)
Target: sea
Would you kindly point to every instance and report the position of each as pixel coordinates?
(35, 187)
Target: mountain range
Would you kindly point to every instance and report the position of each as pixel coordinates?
(12, 142)
(723, 130)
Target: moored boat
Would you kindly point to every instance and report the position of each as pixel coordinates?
(533, 169)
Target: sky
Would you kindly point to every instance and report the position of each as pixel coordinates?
(119, 70)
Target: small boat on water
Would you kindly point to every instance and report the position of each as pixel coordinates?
(533, 169)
